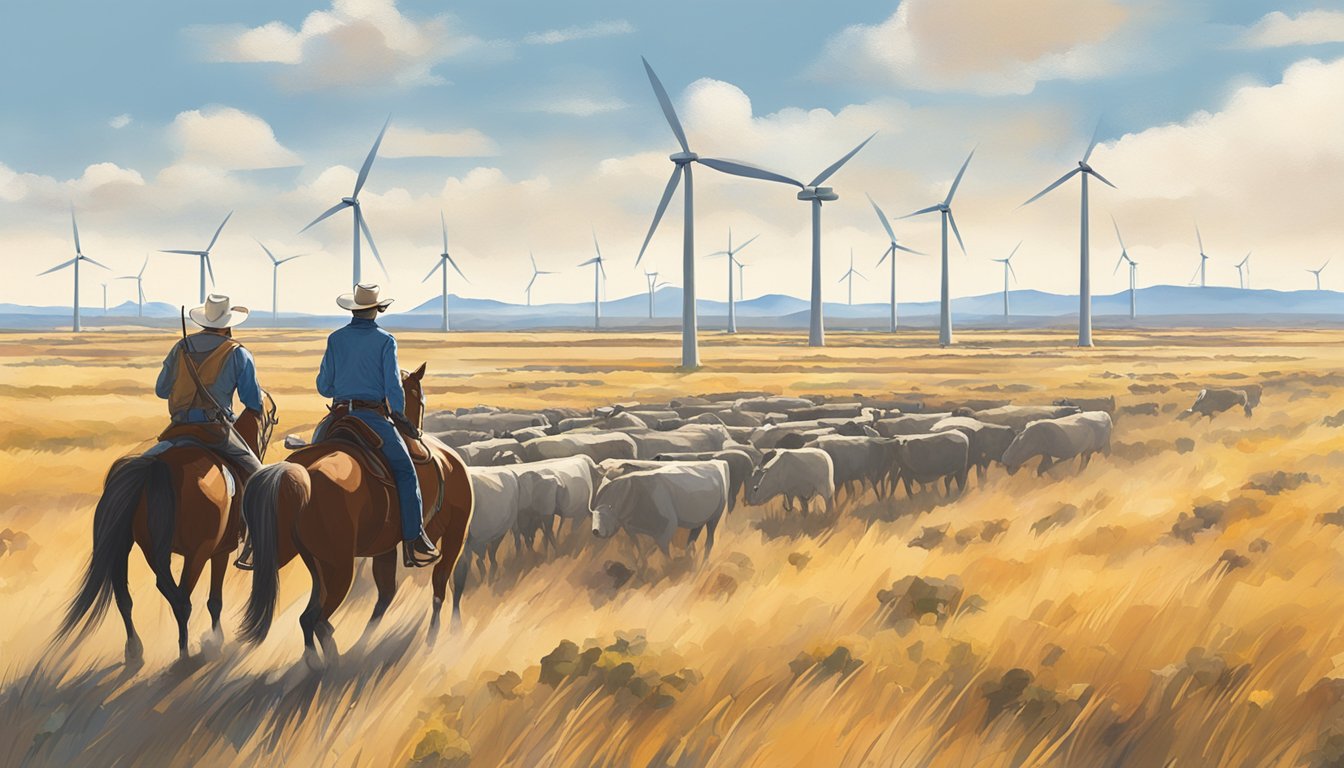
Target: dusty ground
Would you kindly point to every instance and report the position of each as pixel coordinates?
(1176, 603)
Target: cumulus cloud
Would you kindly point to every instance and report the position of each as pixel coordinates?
(417, 142)
(120, 121)
(228, 138)
(981, 46)
(354, 43)
(597, 29)
(1278, 29)
(580, 106)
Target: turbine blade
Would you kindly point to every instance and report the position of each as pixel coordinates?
(586, 263)
(744, 245)
(62, 265)
(861, 275)
(209, 268)
(900, 247)
(923, 211)
(325, 214)
(456, 269)
(666, 104)
(738, 168)
(431, 272)
(184, 253)
(1013, 252)
(1048, 189)
(1012, 271)
(1091, 145)
(957, 181)
(290, 258)
(268, 252)
(882, 217)
(364, 227)
(104, 266)
(1117, 234)
(891, 251)
(597, 247)
(1103, 179)
(1199, 238)
(444, 225)
(602, 269)
(658, 214)
(143, 267)
(217, 231)
(1118, 262)
(368, 163)
(953, 221)
(833, 167)
(530, 282)
(74, 225)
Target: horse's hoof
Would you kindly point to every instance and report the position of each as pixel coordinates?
(212, 644)
(135, 651)
(314, 660)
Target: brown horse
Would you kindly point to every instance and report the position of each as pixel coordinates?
(185, 501)
(328, 505)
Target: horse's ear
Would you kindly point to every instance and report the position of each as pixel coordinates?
(418, 373)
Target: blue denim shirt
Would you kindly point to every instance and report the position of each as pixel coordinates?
(361, 364)
(239, 374)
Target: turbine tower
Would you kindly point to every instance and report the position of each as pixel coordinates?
(204, 256)
(652, 279)
(443, 263)
(1244, 271)
(690, 352)
(104, 298)
(945, 208)
(79, 256)
(731, 253)
(1317, 273)
(850, 275)
(139, 279)
(599, 275)
(1133, 270)
(1084, 256)
(535, 274)
(1007, 271)
(741, 280)
(360, 225)
(1203, 260)
(892, 248)
(275, 279)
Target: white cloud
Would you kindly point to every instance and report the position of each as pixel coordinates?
(1278, 29)
(228, 138)
(120, 121)
(417, 142)
(580, 106)
(587, 32)
(354, 43)
(982, 46)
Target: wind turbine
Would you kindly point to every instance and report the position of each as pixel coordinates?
(741, 281)
(79, 256)
(731, 253)
(890, 252)
(1244, 271)
(204, 256)
(1133, 270)
(275, 279)
(1317, 273)
(850, 275)
(535, 274)
(360, 225)
(945, 208)
(443, 263)
(599, 274)
(1084, 255)
(1203, 259)
(139, 279)
(690, 353)
(652, 279)
(1007, 271)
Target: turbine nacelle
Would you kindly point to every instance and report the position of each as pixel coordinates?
(682, 158)
(349, 200)
(825, 194)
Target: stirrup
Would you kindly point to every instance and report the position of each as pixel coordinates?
(244, 559)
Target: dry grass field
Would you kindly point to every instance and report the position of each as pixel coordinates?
(1176, 603)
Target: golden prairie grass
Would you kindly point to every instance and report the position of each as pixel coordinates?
(1170, 605)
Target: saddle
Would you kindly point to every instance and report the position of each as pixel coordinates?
(203, 435)
(343, 426)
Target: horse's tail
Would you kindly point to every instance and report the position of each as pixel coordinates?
(112, 537)
(279, 484)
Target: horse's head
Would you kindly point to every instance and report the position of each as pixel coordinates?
(412, 384)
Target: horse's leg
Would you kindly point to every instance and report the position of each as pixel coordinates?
(135, 650)
(460, 573)
(312, 613)
(192, 567)
(219, 565)
(337, 577)
(385, 577)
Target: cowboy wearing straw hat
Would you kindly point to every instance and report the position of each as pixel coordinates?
(360, 371)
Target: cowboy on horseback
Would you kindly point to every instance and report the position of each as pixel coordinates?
(360, 374)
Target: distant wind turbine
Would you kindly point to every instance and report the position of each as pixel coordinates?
(1007, 271)
(1244, 271)
(275, 278)
(599, 274)
(945, 208)
(443, 263)
(1133, 271)
(1203, 259)
(139, 279)
(654, 285)
(850, 275)
(360, 225)
(892, 248)
(1084, 251)
(535, 274)
(79, 256)
(1317, 273)
(731, 253)
(204, 256)
(741, 281)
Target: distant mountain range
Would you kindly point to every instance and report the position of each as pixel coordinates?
(1216, 306)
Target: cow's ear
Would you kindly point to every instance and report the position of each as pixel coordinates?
(418, 373)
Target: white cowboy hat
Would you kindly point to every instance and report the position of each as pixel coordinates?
(216, 313)
(365, 296)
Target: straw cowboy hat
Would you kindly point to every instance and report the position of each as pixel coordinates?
(365, 296)
(216, 313)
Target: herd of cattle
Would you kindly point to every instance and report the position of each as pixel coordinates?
(651, 469)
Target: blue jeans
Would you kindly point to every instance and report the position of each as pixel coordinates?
(403, 473)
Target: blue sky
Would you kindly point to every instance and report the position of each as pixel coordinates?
(529, 123)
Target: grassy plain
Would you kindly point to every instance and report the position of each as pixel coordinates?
(1177, 603)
